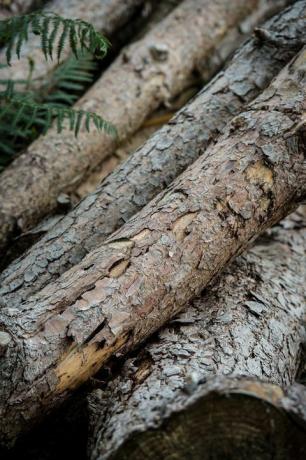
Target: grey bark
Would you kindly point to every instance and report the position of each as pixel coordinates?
(145, 273)
(153, 69)
(251, 324)
(155, 165)
(226, 419)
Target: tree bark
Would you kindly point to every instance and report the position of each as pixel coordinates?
(145, 273)
(154, 165)
(227, 419)
(153, 69)
(249, 324)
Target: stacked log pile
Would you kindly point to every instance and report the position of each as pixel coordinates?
(154, 69)
(248, 325)
(146, 276)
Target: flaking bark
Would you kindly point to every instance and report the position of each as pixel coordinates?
(145, 273)
(251, 324)
(154, 165)
(226, 419)
(153, 69)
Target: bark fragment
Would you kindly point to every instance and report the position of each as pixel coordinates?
(190, 34)
(154, 165)
(244, 183)
(250, 324)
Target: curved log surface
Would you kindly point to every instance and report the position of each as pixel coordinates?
(250, 324)
(227, 419)
(153, 166)
(145, 273)
(154, 69)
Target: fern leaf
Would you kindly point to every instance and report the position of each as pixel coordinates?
(62, 40)
(81, 34)
(69, 80)
(77, 125)
(23, 37)
(44, 36)
(56, 25)
(26, 107)
(73, 38)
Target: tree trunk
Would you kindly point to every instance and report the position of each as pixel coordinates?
(153, 69)
(226, 419)
(145, 273)
(249, 324)
(153, 166)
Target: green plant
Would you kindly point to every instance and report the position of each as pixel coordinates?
(25, 112)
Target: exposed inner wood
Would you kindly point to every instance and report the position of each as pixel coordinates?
(250, 323)
(151, 168)
(229, 196)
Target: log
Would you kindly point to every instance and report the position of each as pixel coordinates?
(146, 272)
(153, 69)
(107, 17)
(250, 324)
(227, 418)
(154, 166)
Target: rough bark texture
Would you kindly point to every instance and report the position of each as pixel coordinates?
(145, 273)
(153, 69)
(225, 419)
(251, 323)
(154, 165)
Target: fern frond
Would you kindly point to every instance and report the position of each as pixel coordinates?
(15, 134)
(26, 109)
(53, 30)
(22, 120)
(69, 80)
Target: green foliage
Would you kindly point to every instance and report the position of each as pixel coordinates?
(26, 112)
(54, 32)
(69, 79)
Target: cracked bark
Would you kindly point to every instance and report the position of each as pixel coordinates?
(250, 324)
(154, 69)
(153, 166)
(145, 273)
(227, 418)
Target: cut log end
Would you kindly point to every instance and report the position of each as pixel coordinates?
(231, 419)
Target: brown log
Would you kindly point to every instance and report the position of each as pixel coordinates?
(250, 324)
(226, 419)
(153, 69)
(145, 273)
(153, 166)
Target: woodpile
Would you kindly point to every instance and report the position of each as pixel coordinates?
(170, 302)
(154, 69)
(247, 325)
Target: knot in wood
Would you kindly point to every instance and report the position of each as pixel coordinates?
(159, 52)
